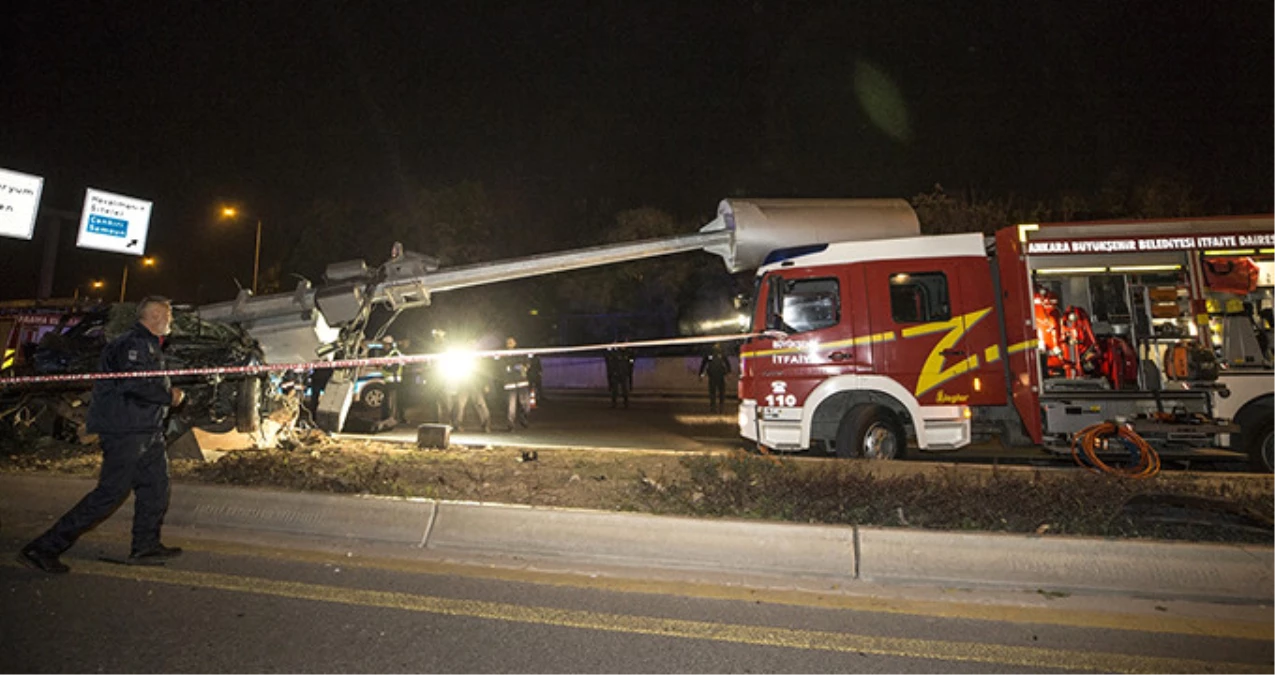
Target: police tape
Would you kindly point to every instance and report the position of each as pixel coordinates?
(378, 361)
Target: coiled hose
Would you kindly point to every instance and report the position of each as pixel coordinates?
(1087, 442)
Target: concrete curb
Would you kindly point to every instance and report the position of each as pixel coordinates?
(1178, 569)
(645, 540)
(363, 518)
(640, 541)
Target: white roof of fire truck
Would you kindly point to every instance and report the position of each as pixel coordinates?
(909, 248)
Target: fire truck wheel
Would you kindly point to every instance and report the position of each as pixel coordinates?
(870, 432)
(248, 406)
(1261, 445)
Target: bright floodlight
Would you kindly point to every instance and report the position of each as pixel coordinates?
(457, 365)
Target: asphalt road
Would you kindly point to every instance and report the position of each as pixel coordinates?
(233, 607)
(589, 421)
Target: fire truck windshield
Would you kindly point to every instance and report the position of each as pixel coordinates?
(801, 305)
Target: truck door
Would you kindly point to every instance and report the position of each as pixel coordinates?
(810, 315)
(937, 327)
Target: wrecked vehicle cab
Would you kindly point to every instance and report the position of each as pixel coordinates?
(214, 403)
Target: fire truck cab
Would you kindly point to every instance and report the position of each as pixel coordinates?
(1029, 336)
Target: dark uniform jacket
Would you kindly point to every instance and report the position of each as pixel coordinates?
(134, 405)
(619, 362)
(715, 364)
(513, 371)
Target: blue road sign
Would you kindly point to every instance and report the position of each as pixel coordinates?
(112, 227)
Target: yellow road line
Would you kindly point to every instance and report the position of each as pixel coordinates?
(769, 636)
(1053, 615)
(944, 609)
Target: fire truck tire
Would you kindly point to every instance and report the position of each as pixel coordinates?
(248, 406)
(870, 432)
(1260, 445)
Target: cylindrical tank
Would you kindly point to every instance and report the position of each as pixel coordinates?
(760, 226)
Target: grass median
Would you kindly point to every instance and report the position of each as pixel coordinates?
(1174, 505)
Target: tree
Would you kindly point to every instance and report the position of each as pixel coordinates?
(654, 292)
(453, 223)
(1153, 196)
(942, 213)
(457, 224)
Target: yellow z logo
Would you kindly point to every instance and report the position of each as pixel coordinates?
(932, 371)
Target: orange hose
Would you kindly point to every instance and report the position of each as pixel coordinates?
(1086, 443)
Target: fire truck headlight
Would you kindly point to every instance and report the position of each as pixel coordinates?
(967, 413)
(457, 366)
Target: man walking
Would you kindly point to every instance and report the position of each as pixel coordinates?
(128, 414)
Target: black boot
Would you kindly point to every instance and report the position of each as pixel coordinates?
(154, 556)
(41, 560)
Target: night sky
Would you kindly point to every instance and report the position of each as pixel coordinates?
(274, 105)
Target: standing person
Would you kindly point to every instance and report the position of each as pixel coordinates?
(128, 414)
(474, 389)
(619, 364)
(438, 392)
(517, 386)
(393, 377)
(535, 375)
(716, 366)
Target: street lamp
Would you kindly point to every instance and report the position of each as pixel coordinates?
(232, 213)
(146, 261)
(93, 285)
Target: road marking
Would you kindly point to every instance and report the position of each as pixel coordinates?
(1053, 615)
(768, 636)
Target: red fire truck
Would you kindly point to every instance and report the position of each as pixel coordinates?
(1030, 336)
(23, 323)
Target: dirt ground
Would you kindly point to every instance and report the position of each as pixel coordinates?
(1174, 505)
(591, 479)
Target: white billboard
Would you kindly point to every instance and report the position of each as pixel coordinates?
(19, 202)
(115, 223)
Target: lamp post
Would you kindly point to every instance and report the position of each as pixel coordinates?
(232, 213)
(147, 261)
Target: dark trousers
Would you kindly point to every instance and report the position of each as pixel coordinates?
(716, 392)
(136, 463)
(517, 400)
(619, 385)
